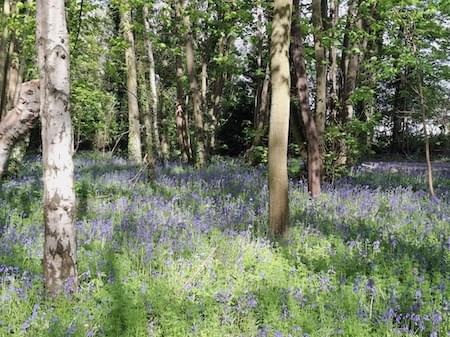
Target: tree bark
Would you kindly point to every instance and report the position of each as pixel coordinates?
(216, 96)
(134, 135)
(260, 17)
(262, 120)
(149, 158)
(426, 137)
(60, 271)
(349, 71)
(321, 67)
(279, 119)
(19, 121)
(201, 155)
(153, 85)
(313, 137)
(181, 120)
(334, 15)
(4, 56)
(350, 64)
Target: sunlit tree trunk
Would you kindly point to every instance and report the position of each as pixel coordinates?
(60, 270)
(19, 120)
(134, 134)
(279, 118)
(153, 85)
(195, 92)
(311, 130)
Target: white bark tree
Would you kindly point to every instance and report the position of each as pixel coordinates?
(57, 144)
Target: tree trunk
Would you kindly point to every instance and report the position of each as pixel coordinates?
(5, 80)
(260, 17)
(60, 272)
(262, 119)
(4, 52)
(321, 67)
(279, 119)
(195, 92)
(350, 65)
(263, 116)
(15, 75)
(181, 120)
(216, 97)
(153, 88)
(18, 121)
(149, 159)
(313, 137)
(134, 134)
(349, 71)
(426, 137)
(334, 15)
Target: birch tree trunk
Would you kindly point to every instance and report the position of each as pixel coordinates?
(18, 121)
(134, 135)
(279, 118)
(60, 272)
(311, 131)
(195, 92)
(153, 88)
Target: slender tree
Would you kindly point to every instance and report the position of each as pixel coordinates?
(194, 89)
(152, 72)
(279, 118)
(311, 130)
(59, 262)
(4, 55)
(134, 134)
(321, 67)
(181, 120)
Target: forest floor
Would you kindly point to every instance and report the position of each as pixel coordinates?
(186, 255)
